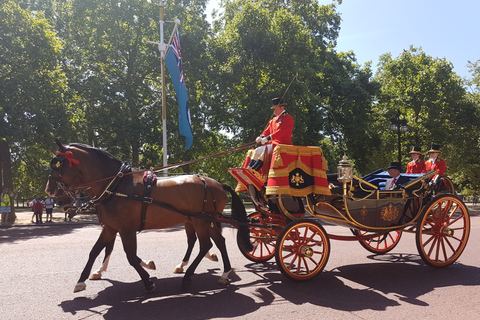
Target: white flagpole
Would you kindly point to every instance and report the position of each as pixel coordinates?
(162, 47)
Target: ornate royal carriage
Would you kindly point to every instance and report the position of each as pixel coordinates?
(296, 195)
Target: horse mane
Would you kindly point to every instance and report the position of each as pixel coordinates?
(101, 154)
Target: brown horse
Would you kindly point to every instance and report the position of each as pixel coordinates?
(119, 196)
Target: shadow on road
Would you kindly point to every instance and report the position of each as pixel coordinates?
(348, 288)
(23, 233)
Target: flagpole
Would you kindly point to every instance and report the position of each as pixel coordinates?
(162, 48)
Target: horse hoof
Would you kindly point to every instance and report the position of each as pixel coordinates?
(213, 257)
(224, 281)
(151, 265)
(79, 287)
(148, 264)
(178, 270)
(95, 276)
(150, 288)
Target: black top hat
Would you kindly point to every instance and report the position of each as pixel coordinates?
(395, 165)
(435, 148)
(278, 102)
(416, 150)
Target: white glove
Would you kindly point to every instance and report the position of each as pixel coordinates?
(258, 140)
(265, 140)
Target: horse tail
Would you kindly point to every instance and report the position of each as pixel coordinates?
(240, 214)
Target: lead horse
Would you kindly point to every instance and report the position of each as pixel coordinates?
(119, 197)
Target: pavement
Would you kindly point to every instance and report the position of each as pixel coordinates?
(24, 216)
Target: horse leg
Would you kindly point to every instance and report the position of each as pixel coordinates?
(191, 239)
(216, 235)
(205, 245)
(97, 275)
(106, 237)
(129, 241)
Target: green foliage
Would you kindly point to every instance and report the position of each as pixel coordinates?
(32, 87)
(82, 70)
(433, 100)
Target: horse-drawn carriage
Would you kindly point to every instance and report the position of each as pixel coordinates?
(290, 203)
(298, 195)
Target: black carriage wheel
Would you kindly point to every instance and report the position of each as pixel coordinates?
(263, 241)
(302, 250)
(442, 231)
(380, 244)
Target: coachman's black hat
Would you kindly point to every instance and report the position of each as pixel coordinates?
(278, 102)
(435, 148)
(395, 165)
(416, 150)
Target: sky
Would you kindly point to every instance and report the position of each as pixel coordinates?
(442, 28)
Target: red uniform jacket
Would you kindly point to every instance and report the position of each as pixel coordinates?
(416, 166)
(440, 165)
(280, 129)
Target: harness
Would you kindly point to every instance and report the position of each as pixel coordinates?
(149, 180)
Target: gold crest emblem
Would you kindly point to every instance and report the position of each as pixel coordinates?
(390, 213)
(364, 211)
(297, 179)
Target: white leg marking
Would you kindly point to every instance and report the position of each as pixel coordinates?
(224, 278)
(149, 264)
(80, 286)
(179, 268)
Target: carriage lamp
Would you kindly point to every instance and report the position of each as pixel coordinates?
(399, 126)
(345, 170)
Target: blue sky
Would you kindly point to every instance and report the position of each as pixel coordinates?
(443, 28)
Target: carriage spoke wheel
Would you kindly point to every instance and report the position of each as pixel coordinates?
(263, 241)
(302, 250)
(380, 244)
(442, 231)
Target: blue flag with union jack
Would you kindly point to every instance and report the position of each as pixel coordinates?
(173, 61)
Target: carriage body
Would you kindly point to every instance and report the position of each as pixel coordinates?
(298, 196)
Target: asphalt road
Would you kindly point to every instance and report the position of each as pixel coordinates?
(41, 264)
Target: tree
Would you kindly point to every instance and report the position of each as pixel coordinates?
(31, 92)
(433, 100)
(266, 49)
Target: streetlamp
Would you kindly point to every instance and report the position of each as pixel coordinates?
(399, 125)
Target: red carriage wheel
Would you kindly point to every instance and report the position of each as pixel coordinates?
(442, 231)
(302, 250)
(380, 244)
(262, 239)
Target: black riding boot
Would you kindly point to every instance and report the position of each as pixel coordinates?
(257, 165)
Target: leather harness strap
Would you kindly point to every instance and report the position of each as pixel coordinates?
(149, 181)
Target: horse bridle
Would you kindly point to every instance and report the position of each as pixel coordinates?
(58, 164)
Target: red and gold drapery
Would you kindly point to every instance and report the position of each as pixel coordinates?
(298, 171)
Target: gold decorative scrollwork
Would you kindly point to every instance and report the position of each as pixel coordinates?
(390, 213)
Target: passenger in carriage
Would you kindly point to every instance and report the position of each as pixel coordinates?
(435, 163)
(417, 165)
(394, 182)
(278, 131)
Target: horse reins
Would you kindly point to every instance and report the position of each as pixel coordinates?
(242, 147)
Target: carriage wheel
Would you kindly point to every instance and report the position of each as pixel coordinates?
(302, 250)
(381, 244)
(442, 231)
(263, 241)
(443, 186)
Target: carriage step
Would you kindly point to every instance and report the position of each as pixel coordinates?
(247, 176)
